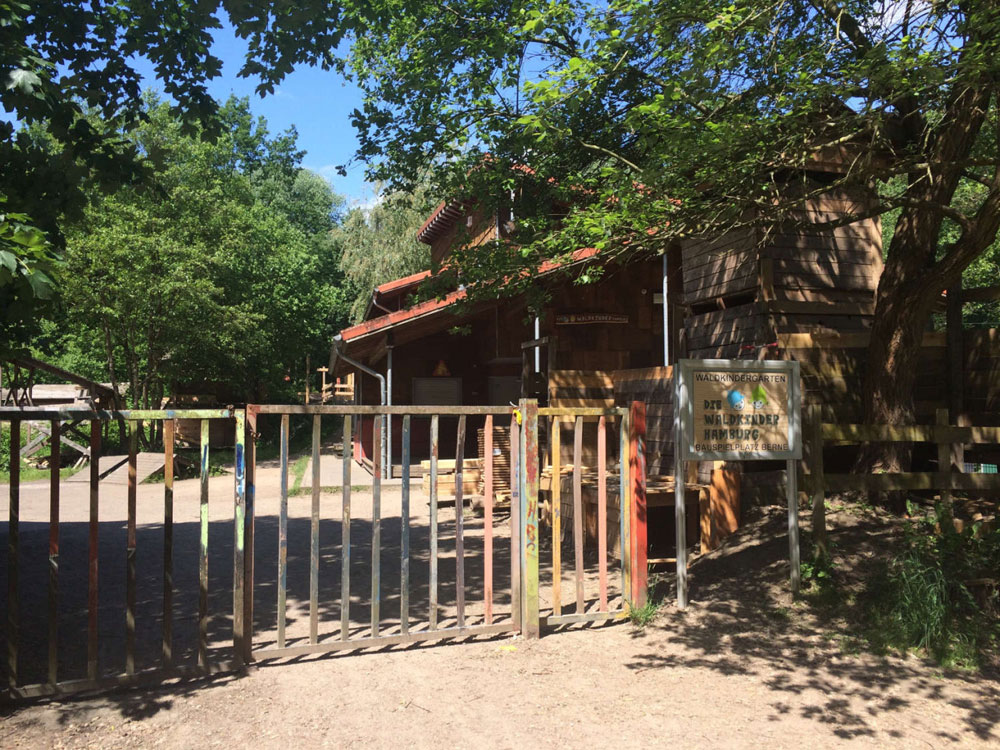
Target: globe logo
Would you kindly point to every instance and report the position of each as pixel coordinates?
(736, 400)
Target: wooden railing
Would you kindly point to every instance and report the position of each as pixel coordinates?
(950, 440)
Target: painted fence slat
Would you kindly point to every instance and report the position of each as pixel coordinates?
(578, 510)
(249, 465)
(404, 563)
(54, 467)
(203, 551)
(488, 521)
(434, 524)
(556, 516)
(314, 535)
(602, 512)
(93, 549)
(637, 480)
(460, 524)
(529, 522)
(283, 532)
(13, 554)
(515, 520)
(167, 654)
(130, 547)
(376, 528)
(239, 542)
(623, 504)
(345, 535)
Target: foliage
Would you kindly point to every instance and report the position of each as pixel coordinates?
(635, 124)
(379, 244)
(642, 616)
(72, 69)
(925, 598)
(219, 270)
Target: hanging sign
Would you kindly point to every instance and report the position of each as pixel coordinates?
(579, 319)
(738, 410)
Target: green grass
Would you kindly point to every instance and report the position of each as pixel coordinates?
(642, 616)
(31, 473)
(298, 471)
(300, 491)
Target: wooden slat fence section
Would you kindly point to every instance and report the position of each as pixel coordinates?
(376, 529)
(817, 482)
(488, 523)
(61, 577)
(283, 530)
(345, 534)
(404, 574)
(203, 549)
(602, 512)
(578, 511)
(459, 525)
(435, 428)
(314, 533)
(556, 427)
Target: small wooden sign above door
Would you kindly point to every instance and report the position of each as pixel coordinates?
(578, 319)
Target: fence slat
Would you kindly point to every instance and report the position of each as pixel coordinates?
(515, 524)
(578, 510)
(404, 563)
(530, 518)
(130, 545)
(283, 533)
(13, 554)
(345, 535)
(488, 521)
(460, 524)
(240, 589)
(434, 524)
(623, 504)
(314, 535)
(203, 551)
(167, 654)
(556, 516)
(54, 466)
(376, 528)
(92, 548)
(602, 512)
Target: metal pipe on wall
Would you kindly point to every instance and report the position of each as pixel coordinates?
(387, 432)
(666, 315)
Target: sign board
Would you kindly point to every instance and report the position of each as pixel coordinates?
(738, 410)
(579, 319)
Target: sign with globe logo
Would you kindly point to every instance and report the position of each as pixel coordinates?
(739, 410)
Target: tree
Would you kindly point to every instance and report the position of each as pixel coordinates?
(212, 272)
(662, 120)
(63, 61)
(379, 244)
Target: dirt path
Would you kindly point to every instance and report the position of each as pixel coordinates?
(743, 667)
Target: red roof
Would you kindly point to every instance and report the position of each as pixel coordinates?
(403, 283)
(428, 307)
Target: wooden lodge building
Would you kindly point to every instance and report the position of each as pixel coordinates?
(805, 294)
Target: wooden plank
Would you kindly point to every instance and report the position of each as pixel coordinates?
(376, 604)
(364, 410)
(53, 612)
(637, 480)
(580, 379)
(239, 540)
(345, 533)
(927, 480)
(283, 532)
(93, 549)
(488, 522)
(624, 505)
(515, 522)
(404, 573)
(556, 431)
(130, 546)
(574, 619)
(434, 524)
(602, 512)
(414, 636)
(203, 552)
(314, 528)
(529, 503)
(167, 653)
(460, 524)
(13, 555)
(578, 510)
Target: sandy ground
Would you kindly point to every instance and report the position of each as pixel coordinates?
(743, 666)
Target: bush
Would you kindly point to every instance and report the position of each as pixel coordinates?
(939, 594)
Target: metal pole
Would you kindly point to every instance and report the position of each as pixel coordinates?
(538, 350)
(680, 520)
(387, 432)
(666, 316)
(335, 353)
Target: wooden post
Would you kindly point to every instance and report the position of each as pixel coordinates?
(637, 480)
(944, 451)
(791, 487)
(821, 547)
(529, 517)
(955, 352)
(307, 378)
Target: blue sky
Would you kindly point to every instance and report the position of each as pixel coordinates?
(316, 102)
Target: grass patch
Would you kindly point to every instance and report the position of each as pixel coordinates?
(298, 471)
(642, 616)
(300, 491)
(939, 594)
